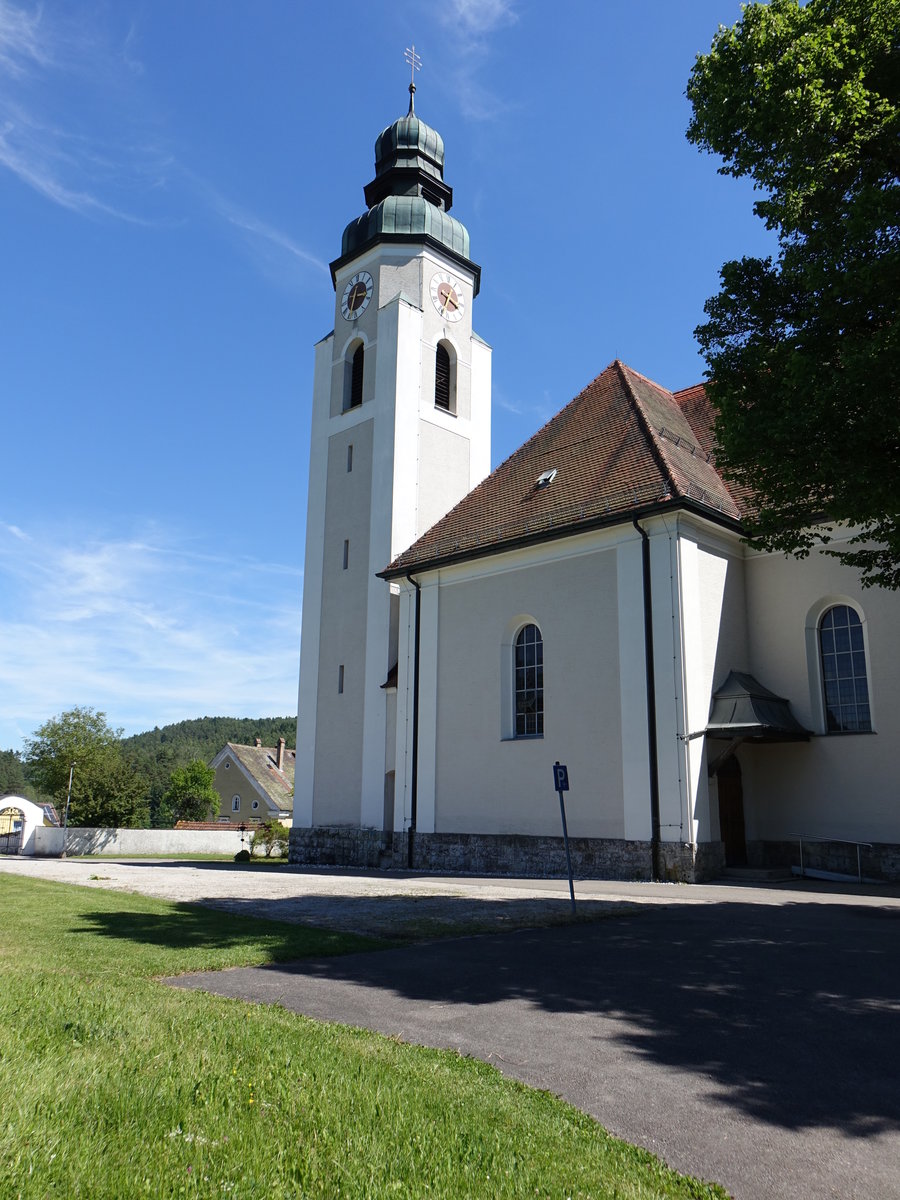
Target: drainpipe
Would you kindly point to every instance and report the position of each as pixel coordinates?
(655, 871)
(414, 783)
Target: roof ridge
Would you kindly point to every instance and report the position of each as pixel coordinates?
(655, 442)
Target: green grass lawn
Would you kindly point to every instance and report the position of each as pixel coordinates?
(114, 1085)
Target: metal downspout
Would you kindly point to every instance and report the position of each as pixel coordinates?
(414, 783)
(655, 871)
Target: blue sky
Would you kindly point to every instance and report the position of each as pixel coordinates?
(174, 179)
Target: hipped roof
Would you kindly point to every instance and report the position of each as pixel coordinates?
(743, 708)
(623, 446)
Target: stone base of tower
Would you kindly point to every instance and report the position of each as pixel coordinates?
(501, 854)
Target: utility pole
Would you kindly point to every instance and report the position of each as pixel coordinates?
(66, 814)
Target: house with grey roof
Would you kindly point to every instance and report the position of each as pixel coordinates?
(255, 783)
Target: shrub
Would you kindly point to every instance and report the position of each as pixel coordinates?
(242, 856)
(271, 837)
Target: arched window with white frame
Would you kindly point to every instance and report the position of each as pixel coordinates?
(528, 683)
(845, 681)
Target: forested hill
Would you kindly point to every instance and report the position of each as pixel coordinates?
(155, 754)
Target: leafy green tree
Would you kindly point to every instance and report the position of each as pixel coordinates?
(12, 776)
(803, 352)
(191, 795)
(105, 788)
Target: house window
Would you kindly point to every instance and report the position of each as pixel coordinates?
(529, 683)
(235, 804)
(350, 457)
(844, 678)
(341, 680)
(346, 553)
(445, 378)
(255, 805)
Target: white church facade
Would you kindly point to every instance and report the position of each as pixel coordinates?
(590, 601)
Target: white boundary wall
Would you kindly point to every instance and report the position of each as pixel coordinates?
(48, 841)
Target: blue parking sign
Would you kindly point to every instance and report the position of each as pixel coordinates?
(560, 777)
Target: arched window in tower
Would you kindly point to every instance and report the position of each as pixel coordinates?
(354, 367)
(356, 377)
(445, 378)
(844, 677)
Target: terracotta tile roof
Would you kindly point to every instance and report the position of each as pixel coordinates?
(694, 402)
(259, 762)
(621, 446)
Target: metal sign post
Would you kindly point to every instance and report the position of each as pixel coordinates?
(561, 783)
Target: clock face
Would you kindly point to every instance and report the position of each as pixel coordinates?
(447, 296)
(357, 295)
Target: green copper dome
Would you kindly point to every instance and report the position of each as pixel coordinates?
(407, 143)
(408, 199)
(412, 215)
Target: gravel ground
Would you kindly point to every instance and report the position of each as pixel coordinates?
(403, 904)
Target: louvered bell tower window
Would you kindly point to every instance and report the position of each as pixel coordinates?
(356, 377)
(442, 379)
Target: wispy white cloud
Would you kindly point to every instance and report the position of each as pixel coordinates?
(470, 26)
(22, 44)
(260, 237)
(69, 127)
(145, 628)
(77, 129)
(480, 17)
(15, 531)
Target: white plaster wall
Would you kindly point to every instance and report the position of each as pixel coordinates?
(342, 628)
(840, 785)
(633, 689)
(312, 588)
(475, 781)
(443, 470)
(713, 621)
(118, 842)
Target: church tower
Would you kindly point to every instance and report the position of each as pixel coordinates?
(400, 433)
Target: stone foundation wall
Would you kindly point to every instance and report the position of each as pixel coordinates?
(501, 854)
(882, 862)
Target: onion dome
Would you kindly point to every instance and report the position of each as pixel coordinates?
(408, 199)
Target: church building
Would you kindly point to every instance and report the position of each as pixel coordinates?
(590, 602)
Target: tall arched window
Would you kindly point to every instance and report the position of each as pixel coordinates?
(442, 377)
(529, 682)
(356, 377)
(844, 677)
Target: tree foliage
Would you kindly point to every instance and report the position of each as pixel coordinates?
(12, 776)
(803, 352)
(105, 788)
(271, 837)
(191, 794)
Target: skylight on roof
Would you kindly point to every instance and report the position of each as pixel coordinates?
(545, 478)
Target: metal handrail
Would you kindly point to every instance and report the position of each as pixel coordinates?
(840, 841)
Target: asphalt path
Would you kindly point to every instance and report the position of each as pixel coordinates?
(746, 1041)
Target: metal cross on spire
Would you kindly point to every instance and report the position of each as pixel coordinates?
(415, 64)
